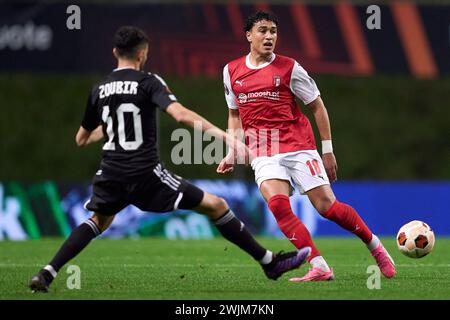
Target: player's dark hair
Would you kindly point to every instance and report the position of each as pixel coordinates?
(128, 39)
(258, 16)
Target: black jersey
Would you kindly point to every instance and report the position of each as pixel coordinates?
(125, 104)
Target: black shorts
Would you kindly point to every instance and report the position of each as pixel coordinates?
(158, 191)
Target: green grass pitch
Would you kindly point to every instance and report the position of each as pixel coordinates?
(215, 269)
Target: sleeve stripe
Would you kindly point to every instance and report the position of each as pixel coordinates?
(160, 80)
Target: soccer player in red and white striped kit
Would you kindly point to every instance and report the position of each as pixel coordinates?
(260, 90)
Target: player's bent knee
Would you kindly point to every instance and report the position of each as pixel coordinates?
(324, 205)
(278, 203)
(103, 222)
(212, 205)
(322, 198)
(219, 207)
(222, 205)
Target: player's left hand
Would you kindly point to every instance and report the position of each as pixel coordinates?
(330, 164)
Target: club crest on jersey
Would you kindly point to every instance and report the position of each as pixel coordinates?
(276, 81)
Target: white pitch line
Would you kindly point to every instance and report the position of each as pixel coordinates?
(7, 265)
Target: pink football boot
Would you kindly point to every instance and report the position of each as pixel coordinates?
(384, 261)
(315, 274)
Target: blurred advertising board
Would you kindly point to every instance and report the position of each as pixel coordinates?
(48, 209)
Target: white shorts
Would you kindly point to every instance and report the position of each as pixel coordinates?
(303, 169)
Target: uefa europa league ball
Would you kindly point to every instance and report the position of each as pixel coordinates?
(415, 239)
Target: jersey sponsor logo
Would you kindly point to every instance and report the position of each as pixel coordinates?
(242, 97)
(253, 96)
(276, 81)
(118, 87)
(241, 83)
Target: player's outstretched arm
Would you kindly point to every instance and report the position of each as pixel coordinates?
(189, 118)
(323, 124)
(85, 137)
(235, 129)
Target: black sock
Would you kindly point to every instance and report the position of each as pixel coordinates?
(77, 241)
(235, 231)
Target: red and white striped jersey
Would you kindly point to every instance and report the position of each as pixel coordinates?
(265, 97)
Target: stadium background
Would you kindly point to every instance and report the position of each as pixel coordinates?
(387, 93)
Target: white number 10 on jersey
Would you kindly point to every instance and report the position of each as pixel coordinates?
(126, 145)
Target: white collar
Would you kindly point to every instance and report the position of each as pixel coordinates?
(123, 68)
(265, 64)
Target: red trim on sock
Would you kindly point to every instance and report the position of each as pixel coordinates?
(278, 196)
(331, 209)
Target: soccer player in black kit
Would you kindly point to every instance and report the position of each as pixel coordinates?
(122, 109)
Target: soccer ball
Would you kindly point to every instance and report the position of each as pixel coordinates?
(415, 239)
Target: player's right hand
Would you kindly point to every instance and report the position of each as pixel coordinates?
(330, 164)
(227, 163)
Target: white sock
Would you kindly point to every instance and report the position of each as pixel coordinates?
(375, 242)
(319, 262)
(50, 269)
(268, 257)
